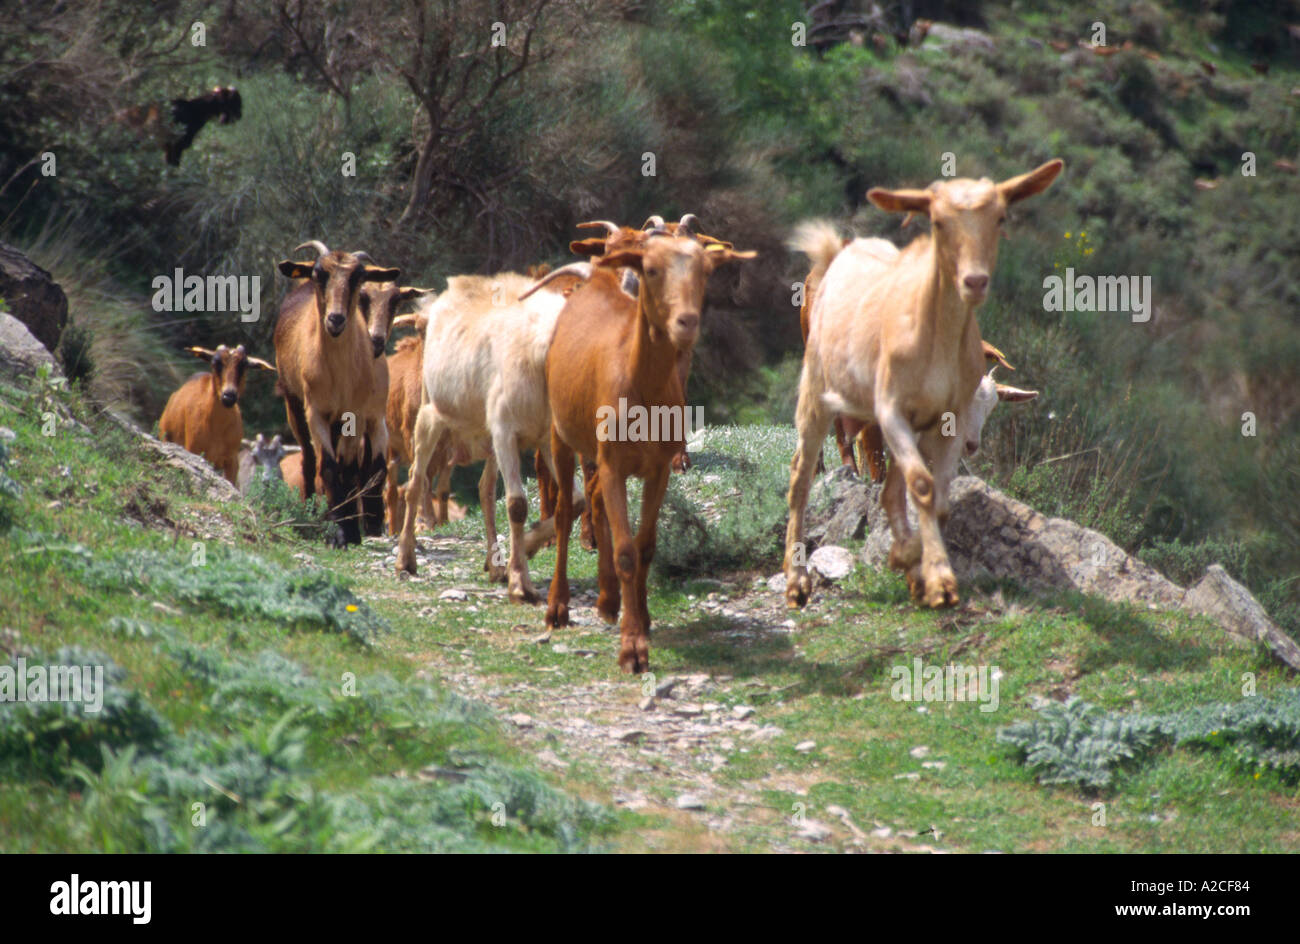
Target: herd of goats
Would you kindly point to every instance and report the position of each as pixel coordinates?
(499, 364)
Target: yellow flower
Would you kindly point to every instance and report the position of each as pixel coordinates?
(352, 607)
(1087, 252)
(1067, 235)
(1257, 775)
(1056, 265)
(1083, 235)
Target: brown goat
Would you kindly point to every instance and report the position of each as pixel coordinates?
(203, 414)
(378, 304)
(335, 390)
(404, 380)
(616, 238)
(608, 350)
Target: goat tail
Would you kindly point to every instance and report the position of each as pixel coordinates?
(820, 242)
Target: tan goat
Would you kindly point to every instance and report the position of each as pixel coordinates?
(893, 339)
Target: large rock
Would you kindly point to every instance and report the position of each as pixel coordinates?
(991, 533)
(943, 36)
(1230, 605)
(207, 480)
(839, 507)
(33, 297)
(20, 353)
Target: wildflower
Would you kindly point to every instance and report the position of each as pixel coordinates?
(1067, 235)
(352, 607)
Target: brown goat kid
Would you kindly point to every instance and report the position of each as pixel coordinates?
(335, 389)
(607, 348)
(203, 414)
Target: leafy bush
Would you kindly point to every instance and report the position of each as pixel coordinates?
(282, 506)
(1078, 743)
(238, 584)
(44, 738)
(729, 511)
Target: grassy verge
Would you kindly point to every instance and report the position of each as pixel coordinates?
(308, 699)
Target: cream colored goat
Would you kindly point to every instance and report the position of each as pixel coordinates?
(893, 339)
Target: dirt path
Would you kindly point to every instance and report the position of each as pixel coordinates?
(659, 745)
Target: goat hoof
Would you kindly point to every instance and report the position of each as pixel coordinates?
(557, 614)
(941, 591)
(607, 608)
(797, 591)
(496, 574)
(523, 593)
(406, 562)
(635, 659)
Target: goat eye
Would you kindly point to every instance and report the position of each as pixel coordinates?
(938, 224)
(1002, 221)
(652, 273)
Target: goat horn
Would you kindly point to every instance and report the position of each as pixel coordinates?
(320, 247)
(403, 321)
(201, 351)
(610, 228)
(573, 268)
(689, 224)
(654, 222)
(364, 257)
(992, 353)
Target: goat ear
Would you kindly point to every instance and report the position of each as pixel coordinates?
(408, 292)
(719, 255)
(258, 362)
(203, 352)
(624, 258)
(1014, 394)
(708, 241)
(1036, 181)
(900, 201)
(295, 270)
(380, 274)
(591, 246)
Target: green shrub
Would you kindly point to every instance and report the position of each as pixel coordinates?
(1078, 743)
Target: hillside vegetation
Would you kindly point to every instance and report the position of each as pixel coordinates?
(230, 633)
(265, 693)
(753, 134)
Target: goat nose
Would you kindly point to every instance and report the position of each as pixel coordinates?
(378, 344)
(689, 322)
(977, 281)
(334, 322)
(228, 397)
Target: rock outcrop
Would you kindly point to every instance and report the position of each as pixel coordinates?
(990, 533)
(21, 354)
(33, 297)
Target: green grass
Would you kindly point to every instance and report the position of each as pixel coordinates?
(237, 701)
